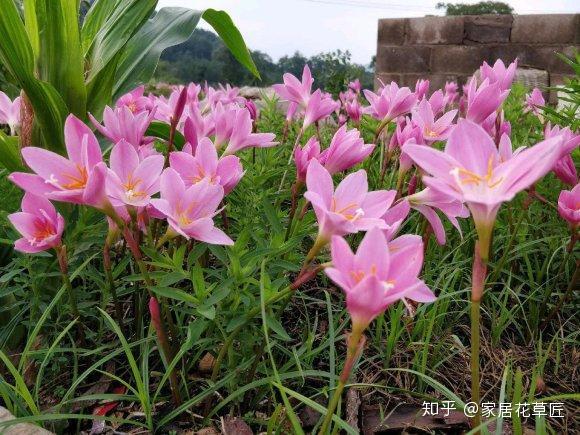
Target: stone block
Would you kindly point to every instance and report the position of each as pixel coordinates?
(392, 31)
(403, 59)
(547, 58)
(509, 52)
(546, 29)
(533, 78)
(461, 59)
(482, 29)
(386, 78)
(436, 81)
(435, 30)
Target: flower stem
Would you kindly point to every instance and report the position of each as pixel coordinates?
(111, 283)
(355, 345)
(319, 243)
(63, 265)
(296, 145)
(158, 324)
(295, 189)
(478, 280)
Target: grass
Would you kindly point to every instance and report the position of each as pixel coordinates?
(287, 355)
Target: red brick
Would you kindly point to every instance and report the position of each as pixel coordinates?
(458, 59)
(403, 59)
(435, 30)
(487, 28)
(546, 29)
(392, 31)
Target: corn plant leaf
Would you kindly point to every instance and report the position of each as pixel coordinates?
(9, 153)
(232, 38)
(60, 60)
(125, 19)
(17, 56)
(170, 26)
(31, 23)
(101, 88)
(94, 20)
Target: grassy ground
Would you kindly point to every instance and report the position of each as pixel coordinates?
(278, 367)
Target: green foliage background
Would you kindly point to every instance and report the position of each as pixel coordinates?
(205, 58)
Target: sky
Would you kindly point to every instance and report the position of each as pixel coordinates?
(280, 27)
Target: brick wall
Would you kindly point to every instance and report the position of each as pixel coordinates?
(452, 48)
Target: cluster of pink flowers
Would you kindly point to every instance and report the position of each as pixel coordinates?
(302, 102)
(139, 182)
(475, 173)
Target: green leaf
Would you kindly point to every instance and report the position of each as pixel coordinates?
(94, 20)
(207, 311)
(170, 26)
(122, 23)
(16, 55)
(226, 29)
(161, 130)
(9, 152)
(100, 90)
(175, 293)
(31, 25)
(60, 61)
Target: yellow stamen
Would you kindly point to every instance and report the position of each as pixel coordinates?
(78, 181)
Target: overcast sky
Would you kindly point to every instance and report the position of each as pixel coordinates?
(279, 27)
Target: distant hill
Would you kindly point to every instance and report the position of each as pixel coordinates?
(205, 58)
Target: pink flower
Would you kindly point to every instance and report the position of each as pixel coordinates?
(421, 88)
(433, 130)
(429, 200)
(355, 85)
(499, 73)
(240, 135)
(564, 168)
(122, 123)
(294, 90)
(226, 171)
(78, 179)
(225, 95)
(451, 93)
(395, 216)
(347, 148)
(569, 205)
(195, 127)
(303, 156)
(133, 181)
(405, 133)
(319, 107)
(437, 102)
(390, 103)
(252, 109)
(354, 110)
(471, 170)
(135, 101)
(10, 112)
(39, 224)
(190, 211)
(291, 112)
(534, 101)
(484, 100)
(348, 209)
(378, 275)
